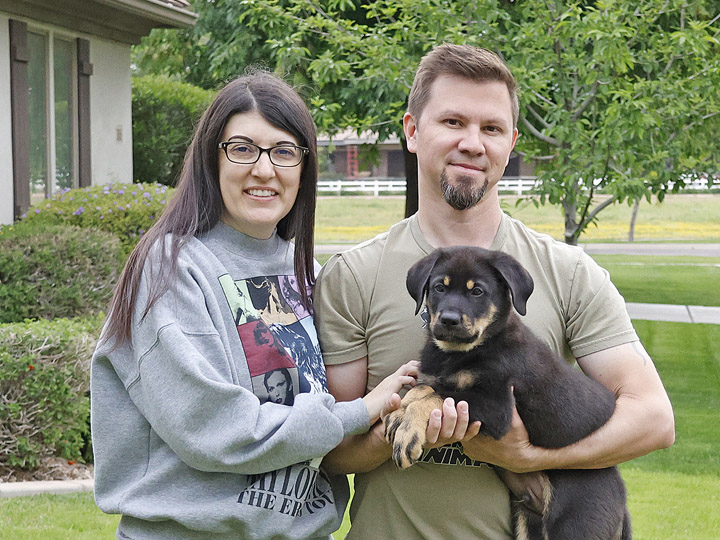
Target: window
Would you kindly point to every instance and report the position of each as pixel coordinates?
(52, 104)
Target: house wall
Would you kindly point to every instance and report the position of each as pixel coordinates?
(110, 112)
(6, 166)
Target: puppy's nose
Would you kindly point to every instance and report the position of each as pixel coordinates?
(450, 318)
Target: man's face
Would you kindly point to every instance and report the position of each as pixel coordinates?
(462, 139)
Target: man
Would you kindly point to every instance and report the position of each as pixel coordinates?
(462, 124)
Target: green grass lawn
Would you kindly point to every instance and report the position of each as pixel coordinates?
(673, 493)
(678, 218)
(690, 281)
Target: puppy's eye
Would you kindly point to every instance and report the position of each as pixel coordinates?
(439, 288)
(477, 291)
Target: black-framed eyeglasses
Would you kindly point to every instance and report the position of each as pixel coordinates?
(245, 153)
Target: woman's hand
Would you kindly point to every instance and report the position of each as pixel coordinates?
(380, 396)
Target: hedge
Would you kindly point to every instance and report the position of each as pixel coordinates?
(53, 271)
(126, 210)
(164, 115)
(44, 390)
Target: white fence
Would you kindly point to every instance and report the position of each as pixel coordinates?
(514, 184)
(375, 186)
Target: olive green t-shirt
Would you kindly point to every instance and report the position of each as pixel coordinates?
(362, 309)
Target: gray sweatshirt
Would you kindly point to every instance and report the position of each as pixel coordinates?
(211, 423)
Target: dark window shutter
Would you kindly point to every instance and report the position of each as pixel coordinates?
(19, 58)
(85, 69)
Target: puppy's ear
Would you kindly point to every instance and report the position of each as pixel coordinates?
(517, 278)
(419, 276)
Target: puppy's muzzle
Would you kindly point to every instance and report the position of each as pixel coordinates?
(452, 326)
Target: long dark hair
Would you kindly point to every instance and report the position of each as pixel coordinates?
(197, 204)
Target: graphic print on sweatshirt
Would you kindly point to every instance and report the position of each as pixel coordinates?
(277, 335)
(282, 350)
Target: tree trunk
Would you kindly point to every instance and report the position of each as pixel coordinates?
(571, 225)
(411, 178)
(631, 232)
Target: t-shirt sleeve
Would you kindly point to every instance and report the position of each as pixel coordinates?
(597, 318)
(340, 313)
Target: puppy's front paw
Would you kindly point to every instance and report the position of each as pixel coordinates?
(405, 428)
(392, 423)
(408, 441)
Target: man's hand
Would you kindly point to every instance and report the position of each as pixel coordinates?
(450, 425)
(513, 451)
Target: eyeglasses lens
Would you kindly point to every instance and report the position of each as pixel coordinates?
(246, 153)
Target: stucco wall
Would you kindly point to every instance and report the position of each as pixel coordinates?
(110, 112)
(6, 168)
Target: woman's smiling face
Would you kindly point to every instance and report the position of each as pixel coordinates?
(256, 196)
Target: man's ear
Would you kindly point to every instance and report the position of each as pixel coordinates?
(410, 130)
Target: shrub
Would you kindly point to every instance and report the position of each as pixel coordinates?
(126, 210)
(44, 387)
(164, 115)
(56, 271)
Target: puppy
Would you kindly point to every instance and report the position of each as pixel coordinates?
(479, 351)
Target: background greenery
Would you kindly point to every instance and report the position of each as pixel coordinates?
(44, 390)
(164, 115)
(618, 97)
(36, 283)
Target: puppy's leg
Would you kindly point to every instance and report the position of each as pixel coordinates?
(587, 504)
(405, 428)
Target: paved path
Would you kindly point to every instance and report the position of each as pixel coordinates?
(666, 250)
(649, 312)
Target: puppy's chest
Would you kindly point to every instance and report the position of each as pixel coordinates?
(461, 377)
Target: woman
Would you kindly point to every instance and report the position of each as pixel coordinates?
(190, 439)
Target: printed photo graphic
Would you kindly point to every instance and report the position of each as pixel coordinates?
(269, 302)
(277, 335)
(239, 300)
(274, 373)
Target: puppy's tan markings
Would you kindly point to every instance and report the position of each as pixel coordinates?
(475, 328)
(470, 284)
(446, 281)
(405, 428)
(463, 379)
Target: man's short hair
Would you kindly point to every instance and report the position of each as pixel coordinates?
(474, 63)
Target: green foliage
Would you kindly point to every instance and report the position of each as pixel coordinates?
(164, 116)
(51, 271)
(44, 384)
(616, 96)
(126, 210)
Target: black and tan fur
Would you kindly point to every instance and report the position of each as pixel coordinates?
(477, 350)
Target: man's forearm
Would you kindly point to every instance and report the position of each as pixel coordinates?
(635, 429)
(359, 453)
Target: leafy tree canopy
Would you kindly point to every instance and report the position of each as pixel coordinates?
(616, 95)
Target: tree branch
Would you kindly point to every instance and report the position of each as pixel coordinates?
(536, 133)
(537, 116)
(600, 207)
(584, 105)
